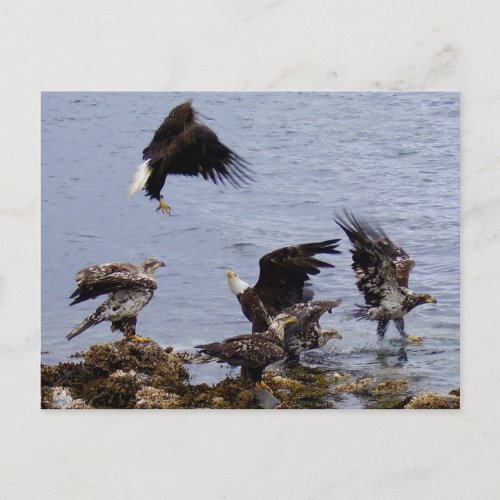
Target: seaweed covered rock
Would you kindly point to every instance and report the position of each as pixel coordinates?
(60, 398)
(433, 401)
(127, 374)
(111, 375)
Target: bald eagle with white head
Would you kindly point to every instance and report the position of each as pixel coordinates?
(184, 146)
(129, 289)
(382, 270)
(281, 284)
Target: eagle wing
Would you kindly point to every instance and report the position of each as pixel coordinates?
(403, 262)
(106, 278)
(284, 272)
(179, 118)
(250, 350)
(374, 270)
(197, 151)
(315, 308)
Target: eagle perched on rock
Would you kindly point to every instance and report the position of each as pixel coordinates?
(307, 333)
(382, 270)
(184, 146)
(283, 274)
(129, 289)
(252, 351)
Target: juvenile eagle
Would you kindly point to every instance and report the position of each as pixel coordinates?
(307, 333)
(282, 276)
(382, 271)
(184, 146)
(252, 351)
(129, 289)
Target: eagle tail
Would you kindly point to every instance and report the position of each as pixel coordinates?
(208, 352)
(140, 178)
(361, 312)
(84, 325)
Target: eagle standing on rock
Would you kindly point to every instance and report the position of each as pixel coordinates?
(282, 277)
(184, 146)
(307, 333)
(382, 270)
(129, 289)
(252, 351)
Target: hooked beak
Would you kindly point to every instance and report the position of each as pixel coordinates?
(431, 300)
(161, 264)
(290, 321)
(230, 274)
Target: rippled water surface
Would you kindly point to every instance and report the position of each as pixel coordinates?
(389, 157)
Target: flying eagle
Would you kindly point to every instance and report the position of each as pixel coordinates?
(129, 289)
(184, 146)
(307, 333)
(382, 270)
(252, 351)
(282, 277)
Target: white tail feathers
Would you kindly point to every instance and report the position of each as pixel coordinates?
(140, 178)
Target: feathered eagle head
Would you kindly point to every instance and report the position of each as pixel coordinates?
(149, 266)
(425, 298)
(281, 322)
(236, 285)
(331, 334)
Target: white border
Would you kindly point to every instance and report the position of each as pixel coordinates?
(240, 45)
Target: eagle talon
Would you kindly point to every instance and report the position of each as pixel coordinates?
(137, 338)
(413, 338)
(163, 207)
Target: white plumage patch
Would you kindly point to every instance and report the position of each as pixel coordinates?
(236, 285)
(140, 178)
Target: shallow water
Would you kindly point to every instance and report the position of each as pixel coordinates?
(389, 157)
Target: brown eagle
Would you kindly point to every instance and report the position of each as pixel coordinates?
(382, 270)
(184, 146)
(283, 274)
(307, 333)
(129, 289)
(252, 351)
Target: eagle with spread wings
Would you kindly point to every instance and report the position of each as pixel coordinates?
(282, 279)
(307, 333)
(382, 270)
(129, 289)
(184, 146)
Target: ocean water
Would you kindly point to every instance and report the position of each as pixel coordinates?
(389, 157)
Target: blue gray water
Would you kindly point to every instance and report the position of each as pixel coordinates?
(389, 157)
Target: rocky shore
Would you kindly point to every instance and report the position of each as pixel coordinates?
(145, 375)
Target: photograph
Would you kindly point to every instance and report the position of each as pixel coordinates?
(250, 250)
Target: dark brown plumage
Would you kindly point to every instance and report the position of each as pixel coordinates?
(184, 146)
(253, 351)
(375, 263)
(282, 277)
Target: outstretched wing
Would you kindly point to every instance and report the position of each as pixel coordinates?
(106, 278)
(197, 151)
(179, 118)
(374, 270)
(314, 309)
(284, 272)
(403, 262)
